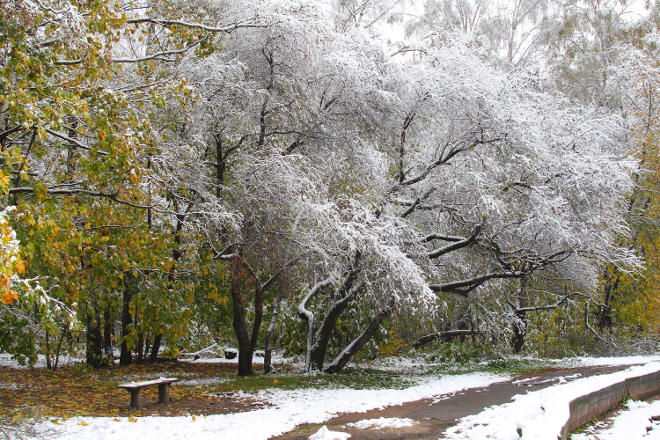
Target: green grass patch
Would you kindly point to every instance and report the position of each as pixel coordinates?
(512, 366)
(355, 378)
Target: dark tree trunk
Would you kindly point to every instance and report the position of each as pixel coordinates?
(258, 316)
(156, 347)
(322, 337)
(240, 326)
(519, 332)
(139, 344)
(139, 349)
(246, 343)
(347, 293)
(520, 323)
(94, 352)
(108, 327)
(268, 349)
(126, 357)
(147, 347)
(220, 165)
(63, 336)
(49, 366)
(342, 359)
(605, 312)
(402, 145)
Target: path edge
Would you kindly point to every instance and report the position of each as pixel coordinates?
(584, 409)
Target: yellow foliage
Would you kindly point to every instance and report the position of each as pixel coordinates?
(9, 296)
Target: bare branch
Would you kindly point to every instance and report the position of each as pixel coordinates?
(75, 191)
(74, 142)
(563, 300)
(463, 287)
(449, 334)
(436, 236)
(225, 29)
(457, 244)
(160, 55)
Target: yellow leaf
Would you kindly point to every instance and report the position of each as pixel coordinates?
(56, 421)
(83, 423)
(116, 420)
(132, 419)
(194, 417)
(9, 296)
(20, 266)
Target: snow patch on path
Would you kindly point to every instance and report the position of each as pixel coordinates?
(382, 423)
(537, 415)
(290, 408)
(325, 434)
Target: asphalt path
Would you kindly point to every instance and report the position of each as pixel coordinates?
(435, 415)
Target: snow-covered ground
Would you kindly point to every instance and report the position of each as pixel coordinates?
(395, 363)
(640, 420)
(383, 422)
(7, 361)
(537, 415)
(398, 363)
(540, 414)
(596, 361)
(289, 409)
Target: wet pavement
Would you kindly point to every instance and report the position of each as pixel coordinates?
(433, 416)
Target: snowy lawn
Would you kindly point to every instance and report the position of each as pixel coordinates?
(540, 414)
(639, 420)
(289, 408)
(290, 398)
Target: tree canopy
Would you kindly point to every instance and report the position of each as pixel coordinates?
(171, 168)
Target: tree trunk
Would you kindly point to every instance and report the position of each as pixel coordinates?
(258, 316)
(519, 332)
(342, 359)
(63, 335)
(94, 352)
(154, 348)
(269, 333)
(605, 312)
(139, 349)
(322, 337)
(147, 347)
(49, 366)
(348, 292)
(126, 357)
(240, 326)
(108, 327)
(520, 323)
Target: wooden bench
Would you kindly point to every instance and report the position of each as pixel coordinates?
(135, 388)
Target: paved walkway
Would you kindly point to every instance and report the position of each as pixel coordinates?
(434, 416)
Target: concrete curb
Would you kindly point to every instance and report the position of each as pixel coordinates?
(585, 408)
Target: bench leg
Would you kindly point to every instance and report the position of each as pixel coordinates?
(163, 393)
(136, 398)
